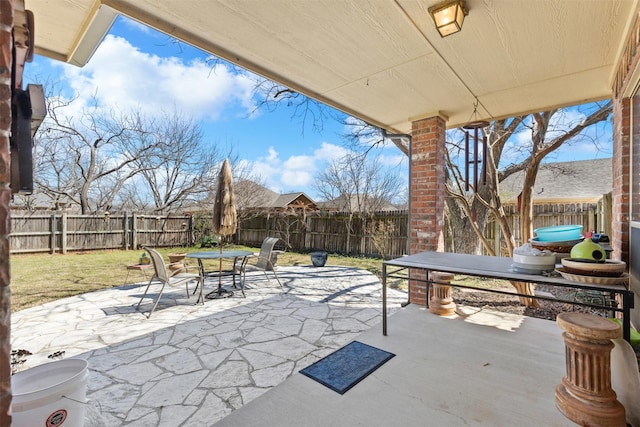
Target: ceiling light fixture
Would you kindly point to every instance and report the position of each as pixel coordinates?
(448, 16)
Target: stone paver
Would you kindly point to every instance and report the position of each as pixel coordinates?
(192, 365)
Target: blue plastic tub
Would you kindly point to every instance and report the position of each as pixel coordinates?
(558, 233)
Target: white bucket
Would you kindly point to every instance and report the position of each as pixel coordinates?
(50, 395)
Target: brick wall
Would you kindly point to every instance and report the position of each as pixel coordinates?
(6, 25)
(621, 174)
(427, 192)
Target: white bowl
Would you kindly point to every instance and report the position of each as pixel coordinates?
(535, 264)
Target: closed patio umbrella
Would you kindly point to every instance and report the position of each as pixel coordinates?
(225, 218)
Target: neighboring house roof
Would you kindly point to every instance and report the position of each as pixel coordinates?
(251, 195)
(578, 181)
(41, 201)
(294, 199)
(355, 203)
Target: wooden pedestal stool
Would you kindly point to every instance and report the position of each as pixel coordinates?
(585, 395)
(440, 300)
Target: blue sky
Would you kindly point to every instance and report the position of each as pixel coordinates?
(138, 68)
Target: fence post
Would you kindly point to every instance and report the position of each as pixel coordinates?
(348, 248)
(52, 243)
(63, 237)
(307, 232)
(125, 228)
(134, 232)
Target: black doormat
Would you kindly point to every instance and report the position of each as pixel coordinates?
(347, 366)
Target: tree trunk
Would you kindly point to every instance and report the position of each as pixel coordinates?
(527, 289)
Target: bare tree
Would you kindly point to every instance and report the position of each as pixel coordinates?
(183, 169)
(548, 131)
(469, 210)
(103, 161)
(359, 183)
(82, 154)
(271, 96)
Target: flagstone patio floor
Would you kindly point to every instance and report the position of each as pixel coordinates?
(192, 364)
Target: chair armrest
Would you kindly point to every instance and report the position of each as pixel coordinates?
(178, 270)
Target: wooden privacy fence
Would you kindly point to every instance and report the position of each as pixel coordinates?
(65, 232)
(592, 216)
(379, 234)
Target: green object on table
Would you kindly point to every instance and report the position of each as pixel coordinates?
(635, 335)
(144, 259)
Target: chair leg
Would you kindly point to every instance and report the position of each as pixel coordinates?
(273, 269)
(157, 301)
(145, 292)
(201, 284)
(277, 278)
(243, 277)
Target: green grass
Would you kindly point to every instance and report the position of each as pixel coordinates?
(37, 279)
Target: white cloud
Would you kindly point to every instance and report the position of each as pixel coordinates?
(294, 180)
(299, 163)
(329, 152)
(267, 168)
(122, 77)
(273, 155)
(393, 160)
(297, 172)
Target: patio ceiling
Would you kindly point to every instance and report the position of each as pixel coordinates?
(381, 60)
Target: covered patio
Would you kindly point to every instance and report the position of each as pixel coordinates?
(384, 62)
(236, 361)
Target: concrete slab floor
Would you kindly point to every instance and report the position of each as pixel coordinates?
(485, 369)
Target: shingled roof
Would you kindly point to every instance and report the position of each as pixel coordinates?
(355, 203)
(256, 196)
(572, 182)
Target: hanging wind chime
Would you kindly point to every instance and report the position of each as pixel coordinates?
(474, 126)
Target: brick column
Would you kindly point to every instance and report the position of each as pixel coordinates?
(427, 193)
(6, 41)
(621, 178)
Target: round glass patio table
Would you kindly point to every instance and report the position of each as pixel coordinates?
(209, 255)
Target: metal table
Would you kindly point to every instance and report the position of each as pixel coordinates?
(209, 255)
(497, 268)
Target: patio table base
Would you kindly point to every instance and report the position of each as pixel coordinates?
(219, 294)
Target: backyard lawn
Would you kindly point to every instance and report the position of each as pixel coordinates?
(37, 279)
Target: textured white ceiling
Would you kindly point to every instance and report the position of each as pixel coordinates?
(382, 60)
